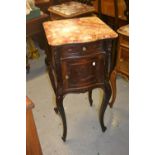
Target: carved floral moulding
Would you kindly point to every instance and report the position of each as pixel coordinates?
(77, 30)
(70, 9)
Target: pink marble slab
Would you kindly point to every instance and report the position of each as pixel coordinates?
(77, 30)
(124, 30)
(71, 9)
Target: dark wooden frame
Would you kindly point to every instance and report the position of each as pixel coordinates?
(54, 60)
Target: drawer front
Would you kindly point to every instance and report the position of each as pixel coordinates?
(81, 49)
(82, 72)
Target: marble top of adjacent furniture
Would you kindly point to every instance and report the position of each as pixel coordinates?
(124, 30)
(71, 9)
(77, 30)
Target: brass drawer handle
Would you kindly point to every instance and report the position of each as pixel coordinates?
(66, 77)
(84, 49)
(93, 63)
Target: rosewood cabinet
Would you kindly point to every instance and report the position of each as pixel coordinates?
(78, 60)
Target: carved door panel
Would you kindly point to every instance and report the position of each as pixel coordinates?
(82, 72)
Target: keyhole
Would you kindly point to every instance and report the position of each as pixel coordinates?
(84, 49)
(93, 63)
(66, 77)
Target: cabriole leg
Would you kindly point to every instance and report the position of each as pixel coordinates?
(90, 97)
(105, 101)
(113, 86)
(63, 116)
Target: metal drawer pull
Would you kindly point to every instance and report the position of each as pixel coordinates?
(66, 77)
(69, 49)
(84, 48)
(94, 63)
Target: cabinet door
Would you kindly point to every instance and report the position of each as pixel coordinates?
(83, 72)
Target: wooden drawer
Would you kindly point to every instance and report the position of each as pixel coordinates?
(82, 72)
(84, 49)
(123, 61)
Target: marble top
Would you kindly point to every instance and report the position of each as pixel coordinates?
(71, 9)
(77, 30)
(124, 30)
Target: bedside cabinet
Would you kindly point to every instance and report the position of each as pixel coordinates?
(78, 60)
(122, 63)
(71, 9)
